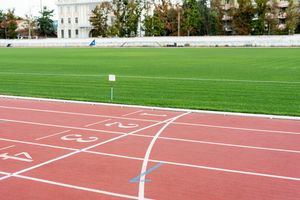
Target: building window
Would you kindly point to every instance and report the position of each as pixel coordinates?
(69, 9)
(69, 20)
(76, 20)
(62, 20)
(70, 33)
(61, 9)
(62, 34)
(76, 8)
(76, 33)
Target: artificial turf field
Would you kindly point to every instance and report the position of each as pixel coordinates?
(255, 80)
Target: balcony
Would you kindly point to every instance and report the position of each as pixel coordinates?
(282, 15)
(226, 18)
(283, 4)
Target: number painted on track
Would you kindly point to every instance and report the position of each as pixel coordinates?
(78, 138)
(120, 125)
(23, 156)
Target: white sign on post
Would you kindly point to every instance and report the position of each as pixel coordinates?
(112, 78)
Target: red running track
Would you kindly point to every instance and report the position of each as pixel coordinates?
(64, 151)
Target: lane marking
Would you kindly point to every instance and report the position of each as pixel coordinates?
(153, 115)
(230, 145)
(66, 127)
(74, 113)
(38, 144)
(191, 124)
(121, 125)
(48, 136)
(97, 123)
(156, 161)
(81, 150)
(238, 128)
(7, 147)
(132, 113)
(147, 155)
(199, 166)
(4, 173)
(138, 179)
(76, 187)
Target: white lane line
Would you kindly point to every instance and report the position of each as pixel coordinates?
(38, 144)
(132, 113)
(97, 123)
(7, 147)
(199, 166)
(148, 152)
(230, 171)
(81, 150)
(5, 173)
(135, 119)
(74, 113)
(66, 127)
(48, 136)
(238, 128)
(230, 145)
(76, 187)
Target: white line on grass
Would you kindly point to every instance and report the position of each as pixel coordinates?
(155, 78)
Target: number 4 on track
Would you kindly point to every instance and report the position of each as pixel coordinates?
(24, 157)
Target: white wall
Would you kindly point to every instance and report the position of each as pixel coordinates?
(221, 41)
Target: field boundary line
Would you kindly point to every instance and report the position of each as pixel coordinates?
(155, 77)
(156, 108)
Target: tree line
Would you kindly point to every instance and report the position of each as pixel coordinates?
(126, 18)
(33, 26)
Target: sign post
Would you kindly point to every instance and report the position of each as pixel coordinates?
(111, 79)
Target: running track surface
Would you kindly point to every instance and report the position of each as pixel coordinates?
(64, 151)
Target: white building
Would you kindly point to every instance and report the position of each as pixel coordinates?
(73, 18)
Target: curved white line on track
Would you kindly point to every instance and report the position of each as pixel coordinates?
(148, 152)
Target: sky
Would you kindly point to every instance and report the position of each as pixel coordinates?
(23, 7)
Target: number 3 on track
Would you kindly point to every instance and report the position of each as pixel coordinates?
(78, 138)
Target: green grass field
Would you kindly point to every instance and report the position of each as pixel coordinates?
(254, 80)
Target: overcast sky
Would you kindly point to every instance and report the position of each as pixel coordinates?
(23, 7)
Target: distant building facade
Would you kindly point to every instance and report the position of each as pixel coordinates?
(281, 14)
(73, 18)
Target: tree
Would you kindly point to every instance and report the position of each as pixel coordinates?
(217, 13)
(271, 16)
(99, 19)
(10, 24)
(191, 17)
(242, 17)
(152, 23)
(30, 25)
(292, 16)
(45, 22)
(127, 15)
(2, 20)
(260, 21)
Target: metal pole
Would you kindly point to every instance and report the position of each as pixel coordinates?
(178, 21)
(111, 94)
